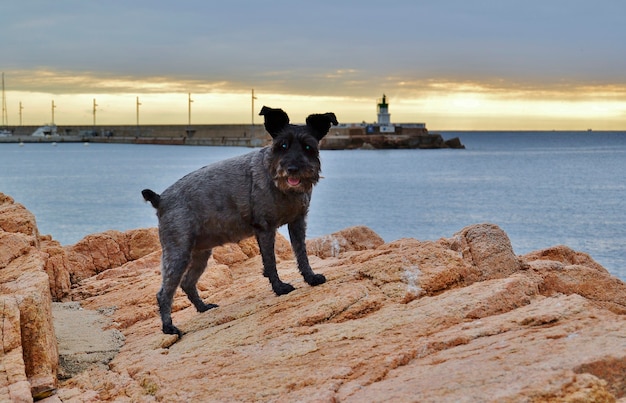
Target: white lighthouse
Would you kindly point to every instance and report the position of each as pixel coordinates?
(384, 118)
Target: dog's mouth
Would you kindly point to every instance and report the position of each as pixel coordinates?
(292, 181)
(299, 182)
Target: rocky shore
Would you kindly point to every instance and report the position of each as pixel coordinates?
(457, 319)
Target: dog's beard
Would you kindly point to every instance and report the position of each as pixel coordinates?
(302, 181)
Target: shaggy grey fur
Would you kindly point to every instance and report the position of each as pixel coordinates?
(252, 194)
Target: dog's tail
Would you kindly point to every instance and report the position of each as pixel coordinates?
(152, 197)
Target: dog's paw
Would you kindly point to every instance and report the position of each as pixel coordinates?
(282, 288)
(315, 279)
(206, 307)
(171, 329)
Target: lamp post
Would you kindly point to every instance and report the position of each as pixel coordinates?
(189, 101)
(253, 98)
(5, 116)
(137, 106)
(94, 112)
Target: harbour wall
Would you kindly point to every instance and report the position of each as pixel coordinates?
(346, 136)
(225, 135)
(215, 135)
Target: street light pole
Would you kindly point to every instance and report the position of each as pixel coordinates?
(5, 116)
(94, 111)
(253, 98)
(137, 105)
(189, 101)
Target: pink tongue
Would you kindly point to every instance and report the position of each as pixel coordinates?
(293, 181)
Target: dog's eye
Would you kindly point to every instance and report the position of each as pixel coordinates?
(284, 146)
(307, 147)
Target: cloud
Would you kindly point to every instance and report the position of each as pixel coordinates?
(71, 82)
(567, 50)
(243, 41)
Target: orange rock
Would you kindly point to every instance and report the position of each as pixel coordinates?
(238, 252)
(565, 255)
(106, 250)
(569, 272)
(39, 344)
(250, 247)
(96, 253)
(458, 319)
(487, 250)
(14, 386)
(349, 239)
(142, 242)
(29, 348)
(57, 267)
(14, 245)
(14, 218)
(229, 254)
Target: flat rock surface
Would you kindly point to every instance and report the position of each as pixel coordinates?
(459, 319)
(84, 338)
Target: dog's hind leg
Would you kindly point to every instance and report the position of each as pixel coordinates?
(297, 234)
(174, 264)
(199, 260)
(266, 240)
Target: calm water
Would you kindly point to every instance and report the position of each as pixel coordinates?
(542, 188)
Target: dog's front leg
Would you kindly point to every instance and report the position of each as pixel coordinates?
(297, 234)
(266, 240)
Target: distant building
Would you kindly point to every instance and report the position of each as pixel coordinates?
(383, 134)
(384, 125)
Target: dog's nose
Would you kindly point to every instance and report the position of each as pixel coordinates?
(292, 169)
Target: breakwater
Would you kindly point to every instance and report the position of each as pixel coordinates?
(346, 136)
(209, 135)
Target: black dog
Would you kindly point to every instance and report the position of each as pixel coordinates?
(252, 194)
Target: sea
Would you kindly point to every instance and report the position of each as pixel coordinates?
(542, 188)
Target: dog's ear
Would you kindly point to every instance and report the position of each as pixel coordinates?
(275, 120)
(320, 123)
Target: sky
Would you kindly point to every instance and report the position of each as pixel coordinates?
(452, 64)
